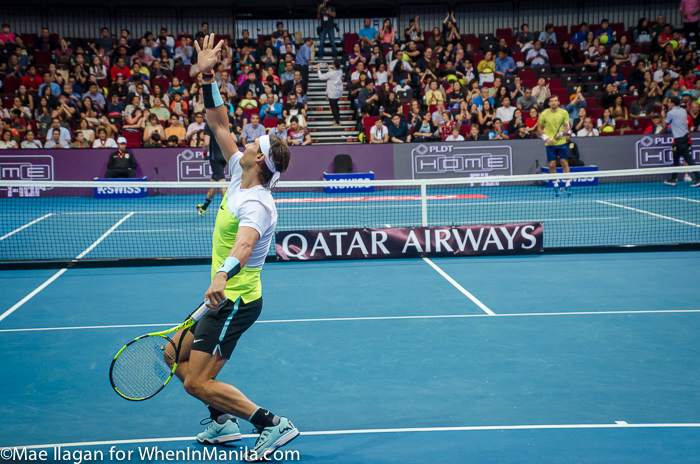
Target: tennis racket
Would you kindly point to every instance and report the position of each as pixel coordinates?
(144, 366)
(555, 138)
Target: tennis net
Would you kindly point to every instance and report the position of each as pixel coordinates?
(107, 220)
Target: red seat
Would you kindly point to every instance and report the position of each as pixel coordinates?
(349, 40)
(164, 82)
(133, 138)
(42, 58)
(529, 83)
(595, 114)
(473, 41)
(29, 39)
(591, 102)
(560, 31)
(555, 58)
(644, 122)
(226, 37)
(270, 123)
(518, 57)
(505, 32)
(465, 129)
(554, 83)
(608, 134)
(628, 100)
(574, 28)
(619, 123)
(563, 95)
(10, 85)
(634, 132)
(184, 76)
(527, 74)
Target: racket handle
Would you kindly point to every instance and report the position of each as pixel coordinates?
(201, 311)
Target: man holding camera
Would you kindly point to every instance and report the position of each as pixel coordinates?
(326, 14)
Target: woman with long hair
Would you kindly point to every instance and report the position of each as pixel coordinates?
(387, 34)
(26, 99)
(619, 110)
(97, 68)
(157, 92)
(486, 116)
(90, 112)
(414, 114)
(606, 121)
(437, 42)
(176, 87)
(300, 94)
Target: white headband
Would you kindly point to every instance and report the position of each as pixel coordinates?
(265, 148)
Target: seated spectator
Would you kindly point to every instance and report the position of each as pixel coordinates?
(569, 54)
(183, 53)
(598, 61)
(368, 35)
(447, 125)
(606, 34)
(279, 130)
(398, 130)
(119, 88)
(642, 33)
(486, 117)
(121, 164)
(368, 99)
(614, 77)
(29, 142)
(516, 120)
(437, 115)
(179, 107)
(31, 80)
(588, 129)
(537, 56)
(80, 141)
(478, 102)
(498, 133)
(524, 39)
(577, 102)
(271, 109)
(541, 91)
(487, 68)
(7, 142)
(176, 88)
(163, 45)
(578, 121)
(656, 127)
(548, 37)
(379, 133)
(505, 65)
(248, 102)
(425, 129)
(590, 46)
(574, 155)
(6, 35)
(153, 125)
(253, 85)
(84, 128)
(505, 111)
(45, 42)
(455, 136)
(437, 42)
(527, 101)
(159, 110)
(359, 69)
(63, 133)
(196, 126)
(53, 141)
(474, 134)
(173, 142)
(298, 135)
(197, 140)
(618, 109)
(175, 129)
(522, 132)
(48, 82)
(435, 94)
(621, 52)
(253, 130)
(153, 141)
(531, 122)
(606, 123)
(580, 37)
(609, 96)
(120, 69)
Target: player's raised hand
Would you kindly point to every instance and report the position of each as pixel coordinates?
(208, 55)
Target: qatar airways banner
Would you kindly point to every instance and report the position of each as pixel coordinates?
(409, 242)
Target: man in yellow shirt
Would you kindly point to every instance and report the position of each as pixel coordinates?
(175, 128)
(553, 124)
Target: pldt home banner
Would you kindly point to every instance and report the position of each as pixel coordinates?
(409, 242)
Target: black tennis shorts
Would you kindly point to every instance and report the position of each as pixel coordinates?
(218, 332)
(218, 164)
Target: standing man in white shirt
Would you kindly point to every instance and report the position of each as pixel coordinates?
(334, 87)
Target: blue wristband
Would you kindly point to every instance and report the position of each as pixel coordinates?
(212, 97)
(231, 267)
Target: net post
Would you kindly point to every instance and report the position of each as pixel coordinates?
(424, 204)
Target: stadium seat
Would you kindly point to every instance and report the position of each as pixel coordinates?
(609, 134)
(473, 41)
(574, 28)
(164, 82)
(527, 74)
(133, 138)
(270, 123)
(184, 76)
(43, 58)
(562, 69)
(591, 102)
(554, 83)
(368, 122)
(595, 113)
(645, 122)
(10, 85)
(511, 41)
(567, 79)
(465, 129)
(629, 100)
(621, 123)
(519, 57)
(562, 94)
(504, 32)
(560, 31)
(251, 111)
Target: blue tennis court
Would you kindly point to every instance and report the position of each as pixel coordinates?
(585, 358)
(609, 214)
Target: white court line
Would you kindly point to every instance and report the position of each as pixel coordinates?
(687, 199)
(60, 272)
(161, 230)
(31, 295)
(372, 318)
(25, 226)
(109, 231)
(650, 214)
(124, 212)
(459, 287)
(616, 425)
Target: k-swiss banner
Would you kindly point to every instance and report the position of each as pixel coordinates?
(409, 242)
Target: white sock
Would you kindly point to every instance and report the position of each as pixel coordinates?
(568, 182)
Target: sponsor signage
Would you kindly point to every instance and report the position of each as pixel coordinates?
(193, 167)
(25, 168)
(341, 182)
(409, 242)
(580, 176)
(121, 191)
(656, 151)
(453, 160)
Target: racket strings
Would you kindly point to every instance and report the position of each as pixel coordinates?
(144, 366)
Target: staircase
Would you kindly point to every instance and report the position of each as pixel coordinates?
(319, 116)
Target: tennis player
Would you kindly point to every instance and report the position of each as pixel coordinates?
(553, 124)
(245, 225)
(217, 161)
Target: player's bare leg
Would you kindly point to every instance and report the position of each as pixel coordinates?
(565, 169)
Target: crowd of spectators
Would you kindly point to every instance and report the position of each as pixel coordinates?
(412, 85)
(81, 93)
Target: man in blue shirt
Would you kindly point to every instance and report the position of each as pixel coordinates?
(478, 102)
(55, 88)
(253, 130)
(580, 36)
(65, 133)
(677, 119)
(368, 36)
(576, 104)
(605, 29)
(505, 66)
(303, 59)
(398, 130)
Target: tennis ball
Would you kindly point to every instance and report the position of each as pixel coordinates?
(608, 129)
(674, 44)
(603, 39)
(406, 57)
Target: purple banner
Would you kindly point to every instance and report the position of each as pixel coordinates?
(183, 164)
(409, 242)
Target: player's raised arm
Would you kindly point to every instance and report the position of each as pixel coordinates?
(217, 118)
